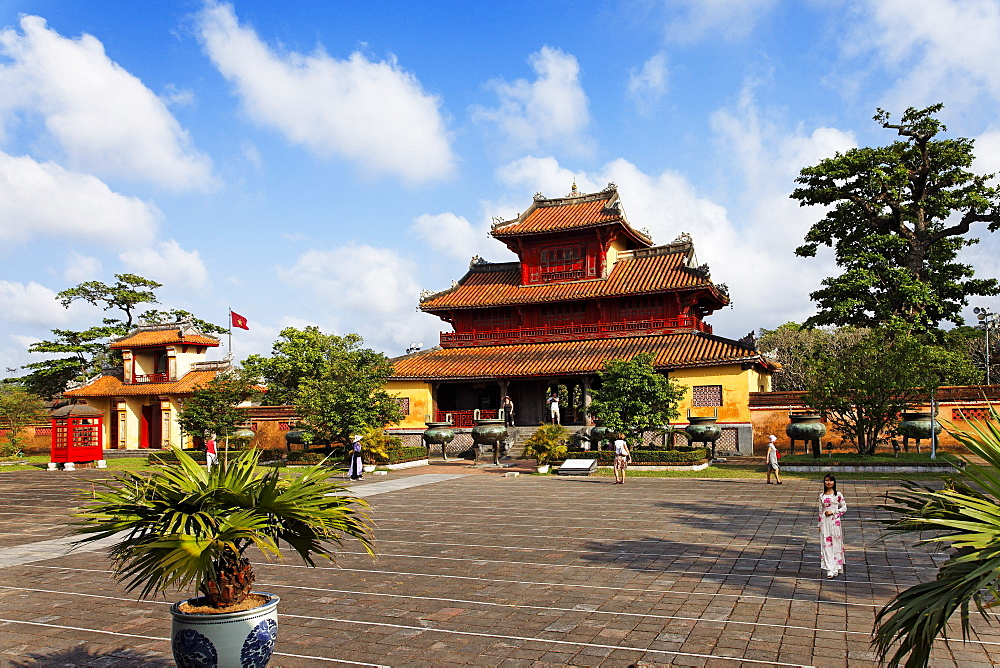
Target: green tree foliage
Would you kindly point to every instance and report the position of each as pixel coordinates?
(125, 295)
(297, 355)
(156, 317)
(897, 217)
(964, 517)
(634, 397)
(863, 387)
(212, 408)
(797, 348)
(79, 355)
(18, 409)
(334, 383)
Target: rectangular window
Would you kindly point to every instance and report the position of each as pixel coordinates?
(642, 308)
(706, 395)
(404, 404)
(564, 314)
(491, 319)
(562, 263)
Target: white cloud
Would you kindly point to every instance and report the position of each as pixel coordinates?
(373, 113)
(547, 112)
(80, 268)
(691, 20)
(43, 199)
(647, 86)
(103, 118)
(31, 303)
(168, 263)
(943, 50)
(365, 288)
(987, 151)
(450, 234)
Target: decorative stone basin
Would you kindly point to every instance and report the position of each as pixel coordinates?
(294, 437)
(598, 434)
(917, 425)
(703, 430)
(805, 427)
(439, 433)
(490, 432)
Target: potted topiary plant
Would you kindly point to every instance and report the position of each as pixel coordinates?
(378, 446)
(187, 527)
(548, 443)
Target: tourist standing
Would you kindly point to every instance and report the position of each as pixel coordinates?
(831, 507)
(554, 407)
(772, 459)
(211, 453)
(622, 459)
(354, 469)
(508, 411)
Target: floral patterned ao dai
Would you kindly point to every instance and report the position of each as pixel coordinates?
(831, 535)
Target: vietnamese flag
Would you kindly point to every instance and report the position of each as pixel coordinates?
(238, 320)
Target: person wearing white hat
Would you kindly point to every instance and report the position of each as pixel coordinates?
(772, 459)
(355, 468)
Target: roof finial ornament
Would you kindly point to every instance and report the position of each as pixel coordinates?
(574, 192)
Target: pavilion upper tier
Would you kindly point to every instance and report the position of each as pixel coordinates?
(583, 272)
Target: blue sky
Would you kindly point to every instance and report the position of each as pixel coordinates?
(321, 163)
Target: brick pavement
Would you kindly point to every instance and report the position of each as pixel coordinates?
(492, 570)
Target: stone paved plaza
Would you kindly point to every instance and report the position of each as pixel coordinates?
(491, 570)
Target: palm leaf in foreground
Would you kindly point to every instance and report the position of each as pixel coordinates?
(964, 518)
(185, 527)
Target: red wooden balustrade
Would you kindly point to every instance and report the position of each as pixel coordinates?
(464, 418)
(566, 332)
(150, 378)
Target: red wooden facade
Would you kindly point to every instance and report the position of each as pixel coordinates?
(565, 288)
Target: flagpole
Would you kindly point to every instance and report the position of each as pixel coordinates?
(230, 333)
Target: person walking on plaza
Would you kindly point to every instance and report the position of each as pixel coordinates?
(354, 469)
(508, 410)
(622, 459)
(554, 407)
(772, 459)
(831, 508)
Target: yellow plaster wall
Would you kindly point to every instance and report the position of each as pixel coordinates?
(185, 360)
(421, 402)
(617, 246)
(736, 383)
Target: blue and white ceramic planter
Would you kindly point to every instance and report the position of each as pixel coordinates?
(229, 640)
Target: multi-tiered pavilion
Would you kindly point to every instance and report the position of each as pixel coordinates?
(588, 287)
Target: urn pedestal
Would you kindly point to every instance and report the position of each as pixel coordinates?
(917, 425)
(598, 434)
(703, 430)
(805, 427)
(489, 432)
(439, 433)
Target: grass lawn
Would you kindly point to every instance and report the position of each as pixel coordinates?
(879, 458)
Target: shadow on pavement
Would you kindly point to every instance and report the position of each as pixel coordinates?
(83, 656)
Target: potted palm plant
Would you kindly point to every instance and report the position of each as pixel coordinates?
(186, 527)
(548, 443)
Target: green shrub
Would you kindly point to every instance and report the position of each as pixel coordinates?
(656, 457)
(399, 454)
(170, 457)
(300, 457)
(547, 444)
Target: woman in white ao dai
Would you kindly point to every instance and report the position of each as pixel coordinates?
(831, 507)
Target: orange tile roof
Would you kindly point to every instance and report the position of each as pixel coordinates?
(163, 337)
(569, 213)
(670, 351)
(111, 386)
(643, 273)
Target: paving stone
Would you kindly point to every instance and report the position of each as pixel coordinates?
(575, 572)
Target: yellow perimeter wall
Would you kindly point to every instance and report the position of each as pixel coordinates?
(421, 405)
(737, 384)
